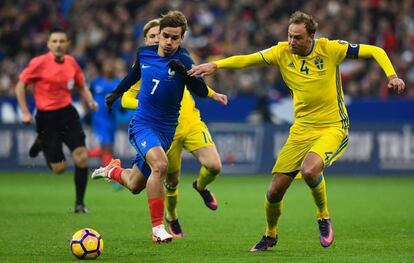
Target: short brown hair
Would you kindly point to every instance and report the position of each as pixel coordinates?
(174, 19)
(151, 24)
(299, 17)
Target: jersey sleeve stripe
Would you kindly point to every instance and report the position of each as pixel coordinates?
(264, 58)
(342, 113)
(205, 137)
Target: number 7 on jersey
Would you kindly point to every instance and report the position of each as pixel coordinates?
(156, 81)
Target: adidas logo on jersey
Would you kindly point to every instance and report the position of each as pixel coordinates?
(291, 65)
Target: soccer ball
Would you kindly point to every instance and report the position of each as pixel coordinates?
(86, 244)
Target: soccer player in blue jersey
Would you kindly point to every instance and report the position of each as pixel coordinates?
(162, 71)
(103, 124)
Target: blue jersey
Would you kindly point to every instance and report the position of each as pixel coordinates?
(156, 117)
(103, 124)
(100, 87)
(161, 88)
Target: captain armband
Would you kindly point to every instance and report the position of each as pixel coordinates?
(353, 50)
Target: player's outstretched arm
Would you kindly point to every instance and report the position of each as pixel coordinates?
(203, 69)
(377, 53)
(234, 62)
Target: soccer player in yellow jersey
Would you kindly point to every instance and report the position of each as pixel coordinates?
(191, 134)
(319, 135)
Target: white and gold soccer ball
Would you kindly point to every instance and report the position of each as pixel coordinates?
(86, 244)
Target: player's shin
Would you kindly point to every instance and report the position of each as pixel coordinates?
(273, 210)
(156, 209)
(81, 179)
(171, 199)
(318, 190)
(205, 178)
(155, 193)
(116, 175)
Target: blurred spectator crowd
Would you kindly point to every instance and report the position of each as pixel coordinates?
(102, 30)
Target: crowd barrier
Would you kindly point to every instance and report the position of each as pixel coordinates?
(375, 148)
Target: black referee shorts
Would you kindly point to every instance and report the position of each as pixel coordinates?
(57, 127)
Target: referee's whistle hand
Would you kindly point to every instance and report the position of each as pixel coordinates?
(27, 118)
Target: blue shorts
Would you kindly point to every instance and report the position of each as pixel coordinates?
(104, 131)
(145, 138)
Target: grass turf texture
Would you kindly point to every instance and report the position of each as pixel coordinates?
(372, 218)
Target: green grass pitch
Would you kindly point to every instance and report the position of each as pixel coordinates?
(373, 219)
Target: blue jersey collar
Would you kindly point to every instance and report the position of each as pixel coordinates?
(310, 51)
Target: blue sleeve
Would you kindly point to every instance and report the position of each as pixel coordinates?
(133, 76)
(194, 84)
(92, 86)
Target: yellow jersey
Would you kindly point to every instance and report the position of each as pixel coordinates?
(314, 80)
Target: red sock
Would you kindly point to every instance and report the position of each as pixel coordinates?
(106, 158)
(95, 152)
(156, 209)
(116, 174)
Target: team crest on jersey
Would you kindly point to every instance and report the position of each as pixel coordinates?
(319, 63)
(291, 65)
(70, 84)
(171, 73)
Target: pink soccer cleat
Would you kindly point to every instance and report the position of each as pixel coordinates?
(326, 236)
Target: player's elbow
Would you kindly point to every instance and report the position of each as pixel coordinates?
(370, 51)
(128, 102)
(199, 88)
(124, 102)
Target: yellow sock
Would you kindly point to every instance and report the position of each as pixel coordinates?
(273, 212)
(321, 200)
(171, 199)
(205, 178)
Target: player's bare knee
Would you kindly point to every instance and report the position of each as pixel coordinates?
(214, 167)
(58, 168)
(274, 194)
(135, 190)
(160, 167)
(80, 157)
(310, 173)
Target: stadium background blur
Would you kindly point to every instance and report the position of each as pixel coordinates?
(104, 29)
(113, 29)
